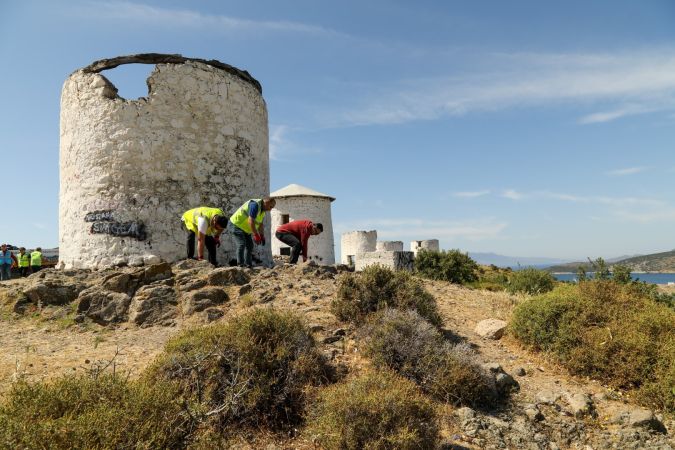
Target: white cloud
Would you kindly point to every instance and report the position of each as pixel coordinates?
(629, 83)
(512, 194)
(470, 194)
(139, 12)
(627, 171)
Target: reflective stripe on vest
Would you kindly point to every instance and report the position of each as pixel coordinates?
(192, 216)
(36, 258)
(240, 218)
(24, 260)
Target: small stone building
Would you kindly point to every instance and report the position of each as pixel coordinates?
(295, 202)
(389, 246)
(429, 244)
(130, 168)
(355, 242)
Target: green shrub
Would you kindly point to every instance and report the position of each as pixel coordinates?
(406, 343)
(493, 279)
(451, 265)
(378, 287)
(83, 412)
(621, 274)
(373, 411)
(251, 370)
(606, 330)
(530, 281)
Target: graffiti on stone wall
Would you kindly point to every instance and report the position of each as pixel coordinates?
(103, 222)
(98, 216)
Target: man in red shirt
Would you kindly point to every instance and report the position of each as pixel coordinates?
(296, 234)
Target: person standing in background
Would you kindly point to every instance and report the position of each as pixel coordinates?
(23, 262)
(7, 261)
(36, 260)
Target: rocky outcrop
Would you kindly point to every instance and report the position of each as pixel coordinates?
(201, 299)
(154, 304)
(491, 328)
(103, 306)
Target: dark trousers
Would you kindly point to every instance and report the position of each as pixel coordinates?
(35, 268)
(209, 243)
(24, 271)
(244, 243)
(293, 242)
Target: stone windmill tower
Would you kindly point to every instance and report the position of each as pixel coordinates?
(298, 202)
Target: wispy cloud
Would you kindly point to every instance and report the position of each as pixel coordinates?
(175, 17)
(589, 199)
(627, 171)
(512, 194)
(282, 147)
(470, 194)
(625, 84)
(409, 229)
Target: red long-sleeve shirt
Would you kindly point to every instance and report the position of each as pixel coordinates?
(301, 229)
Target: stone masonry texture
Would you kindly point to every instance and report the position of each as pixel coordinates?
(321, 248)
(130, 168)
(356, 242)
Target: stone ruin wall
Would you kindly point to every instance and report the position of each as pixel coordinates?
(394, 260)
(321, 248)
(389, 246)
(130, 168)
(430, 244)
(355, 242)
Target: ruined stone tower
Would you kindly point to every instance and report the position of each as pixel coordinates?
(130, 168)
(298, 202)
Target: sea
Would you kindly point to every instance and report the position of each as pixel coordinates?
(655, 278)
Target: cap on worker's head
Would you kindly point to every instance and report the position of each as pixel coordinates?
(221, 221)
(319, 226)
(22, 248)
(39, 249)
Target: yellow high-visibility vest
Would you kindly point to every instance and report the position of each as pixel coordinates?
(36, 258)
(191, 217)
(24, 260)
(240, 218)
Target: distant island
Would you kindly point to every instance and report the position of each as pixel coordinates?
(654, 262)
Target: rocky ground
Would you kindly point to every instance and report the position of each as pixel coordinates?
(57, 322)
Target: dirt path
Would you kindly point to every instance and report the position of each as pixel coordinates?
(38, 349)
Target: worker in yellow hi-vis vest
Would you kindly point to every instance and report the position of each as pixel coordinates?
(206, 224)
(23, 259)
(36, 260)
(246, 225)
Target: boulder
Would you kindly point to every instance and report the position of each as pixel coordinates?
(201, 299)
(644, 418)
(546, 397)
(580, 405)
(187, 264)
(53, 292)
(490, 328)
(103, 306)
(505, 383)
(154, 304)
(224, 276)
(213, 314)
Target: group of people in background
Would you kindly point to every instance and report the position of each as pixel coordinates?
(26, 263)
(204, 225)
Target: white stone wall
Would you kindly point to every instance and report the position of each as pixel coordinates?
(356, 242)
(389, 246)
(200, 138)
(394, 260)
(430, 244)
(321, 248)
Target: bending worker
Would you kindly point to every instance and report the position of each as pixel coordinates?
(296, 235)
(247, 221)
(208, 223)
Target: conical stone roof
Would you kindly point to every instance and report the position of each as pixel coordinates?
(296, 190)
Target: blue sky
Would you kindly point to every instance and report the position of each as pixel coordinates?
(524, 128)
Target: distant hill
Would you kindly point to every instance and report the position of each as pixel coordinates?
(654, 262)
(513, 261)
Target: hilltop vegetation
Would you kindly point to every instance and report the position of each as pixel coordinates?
(655, 262)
